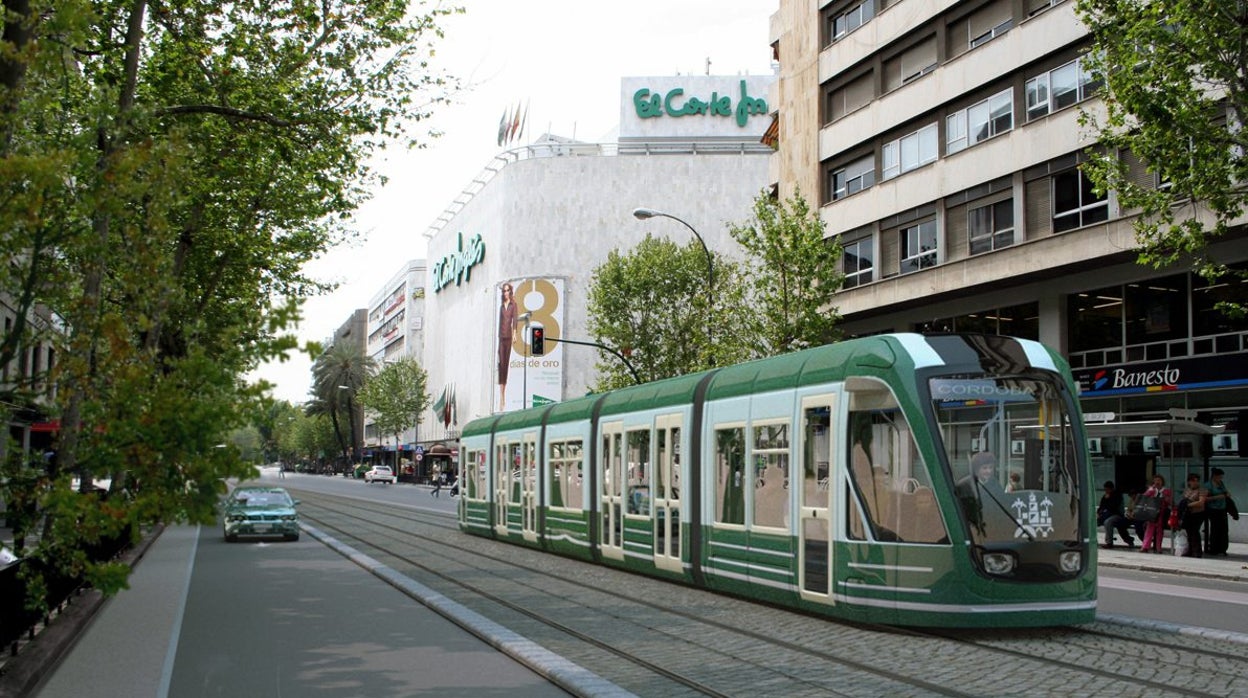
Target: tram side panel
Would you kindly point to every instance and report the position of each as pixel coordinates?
(564, 471)
(640, 497)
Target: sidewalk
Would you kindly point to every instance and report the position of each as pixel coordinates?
(1233, 567)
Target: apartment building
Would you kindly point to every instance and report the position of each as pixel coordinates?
(942, 141)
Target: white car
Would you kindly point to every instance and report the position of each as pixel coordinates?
(380, 473)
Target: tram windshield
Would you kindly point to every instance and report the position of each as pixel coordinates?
(1012, 453)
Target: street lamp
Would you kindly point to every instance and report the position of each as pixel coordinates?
(642, 214)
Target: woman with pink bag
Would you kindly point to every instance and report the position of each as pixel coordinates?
(1155, 530)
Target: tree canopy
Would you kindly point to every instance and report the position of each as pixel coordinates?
(396, 397)
(1175, 76)
(654, 305)
(167, 168)
(795, 275)
(652, 302)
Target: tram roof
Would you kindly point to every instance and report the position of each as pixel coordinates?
(830, 362)
(662, 393)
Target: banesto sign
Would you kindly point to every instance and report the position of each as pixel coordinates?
(650, 105)
(458, 265)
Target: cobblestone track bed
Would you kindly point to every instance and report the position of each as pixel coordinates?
(744, 648)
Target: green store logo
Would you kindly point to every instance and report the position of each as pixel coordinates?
(650, 105)
(458, 265)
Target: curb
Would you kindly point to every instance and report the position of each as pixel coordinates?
(23, 672)
(559, 670)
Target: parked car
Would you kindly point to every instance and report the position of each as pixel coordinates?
(380, 473)
(260, 511)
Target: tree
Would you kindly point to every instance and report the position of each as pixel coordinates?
(653, 305)
(166, 171)
(1175, 77)
(397, 398)
(337, 376)
(797, 274)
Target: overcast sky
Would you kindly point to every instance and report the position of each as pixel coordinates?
(564, 59)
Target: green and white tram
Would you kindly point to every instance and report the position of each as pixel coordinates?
(904, 479)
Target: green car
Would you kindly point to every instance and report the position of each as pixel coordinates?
(260, 511)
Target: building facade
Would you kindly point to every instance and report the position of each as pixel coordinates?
(517, 250)
(27, 391)
(943, 141)
(395, 330)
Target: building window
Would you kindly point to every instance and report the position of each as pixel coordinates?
(853, 178)
(991, 227)
(991, 34)
(852, 96)
(1021, 321)
(911, 64)
(1059, 88)
(1075, 204)
(910, 152)
(1035, 7)
(1156, 310)
(857, 262)
(918, 247)
(979, 121)
(851, 19)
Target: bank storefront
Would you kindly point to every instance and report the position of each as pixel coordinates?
(1169, 418)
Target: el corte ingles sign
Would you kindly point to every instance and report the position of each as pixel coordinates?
(457, 266)
(675, 103)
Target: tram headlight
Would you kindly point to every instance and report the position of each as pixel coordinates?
(1000, 564)
(1070, 561)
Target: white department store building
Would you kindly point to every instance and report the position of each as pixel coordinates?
(543, 216)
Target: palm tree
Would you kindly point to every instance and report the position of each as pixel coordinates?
(336, 376)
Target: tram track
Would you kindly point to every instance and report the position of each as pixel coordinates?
(797, 650)
(742, 660)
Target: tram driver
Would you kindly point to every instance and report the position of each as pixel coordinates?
(980, 483)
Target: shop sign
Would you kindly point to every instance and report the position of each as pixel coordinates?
(458, 265)
(1184, 374)
(674, 104)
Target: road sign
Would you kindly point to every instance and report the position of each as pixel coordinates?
(420, 451)
(419, 456)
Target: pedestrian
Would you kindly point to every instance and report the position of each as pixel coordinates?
(1192, 514)
(437, 485)
(1215, 513)
(1111, 514)
(1155, 530)
(281, 471)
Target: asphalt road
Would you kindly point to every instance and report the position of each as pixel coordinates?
(271, 619)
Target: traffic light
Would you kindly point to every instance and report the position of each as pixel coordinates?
(537, 341)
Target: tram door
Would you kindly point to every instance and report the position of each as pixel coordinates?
(502, 477)
(815, 525)
(666, 496)
(528, 487)
(611, 500)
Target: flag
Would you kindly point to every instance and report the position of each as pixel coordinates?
(440, 404)
(451, 412)
(515, 124)
(502, 127)
(523, 121)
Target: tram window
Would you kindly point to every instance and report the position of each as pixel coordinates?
(770, 477)
(887, 472)
(639, 472)
(729, 475)
(565, 474)
(474, 473)
(980, 415)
